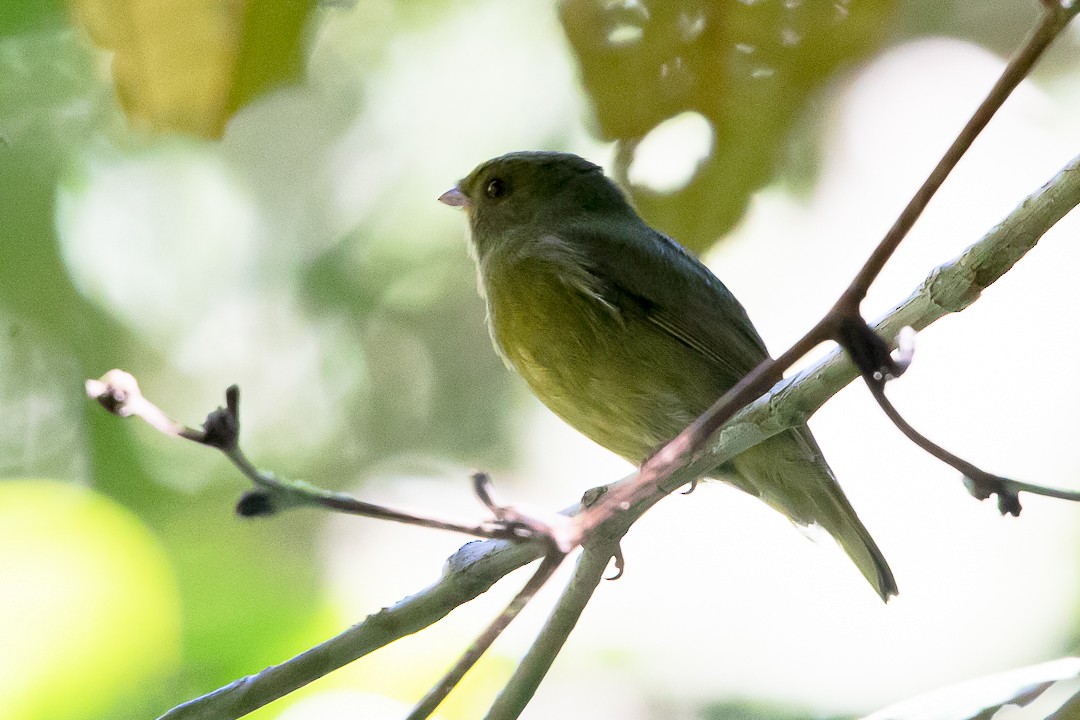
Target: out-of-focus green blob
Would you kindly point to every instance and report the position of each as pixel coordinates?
(421, 328)
(42, 431)
(748, 67)
(18, 17)
(50, 101)
(89, 608)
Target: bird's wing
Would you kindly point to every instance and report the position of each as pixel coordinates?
(645, 272)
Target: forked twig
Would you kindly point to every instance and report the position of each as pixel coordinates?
(118, 392)
(979, 483)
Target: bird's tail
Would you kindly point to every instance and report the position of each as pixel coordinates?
(789, 473)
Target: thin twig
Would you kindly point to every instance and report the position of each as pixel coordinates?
(1052, 21)
(519, 690)
(465, 663)
(119, 393)
(980, 483)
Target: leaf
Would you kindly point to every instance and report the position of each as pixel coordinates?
(747, 67)
(189, 66)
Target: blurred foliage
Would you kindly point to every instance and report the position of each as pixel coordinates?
(52, 337)
(391, 301)
(189, 66)
(750, 68)
(249, 593)
(747, 67)
(22, 17)
(370, 336)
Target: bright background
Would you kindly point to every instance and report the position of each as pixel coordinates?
(283, 234)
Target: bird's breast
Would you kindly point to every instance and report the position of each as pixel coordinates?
(602, 371)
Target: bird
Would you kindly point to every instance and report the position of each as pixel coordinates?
(627, 336)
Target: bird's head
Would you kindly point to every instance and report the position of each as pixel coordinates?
(532, 190)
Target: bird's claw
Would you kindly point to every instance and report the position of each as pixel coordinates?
(620, 563)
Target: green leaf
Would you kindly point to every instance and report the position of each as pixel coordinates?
(747, 67)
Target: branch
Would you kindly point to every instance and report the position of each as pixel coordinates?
(979, 483)
(468, 573)
(118, 392)
(1056, 15)
(477, 566)
(449, 681)
(549, 642)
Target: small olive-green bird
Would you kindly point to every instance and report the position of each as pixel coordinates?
(628, 337)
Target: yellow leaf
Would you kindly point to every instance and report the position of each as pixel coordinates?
(189, 65)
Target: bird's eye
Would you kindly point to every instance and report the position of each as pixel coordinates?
(496, 188)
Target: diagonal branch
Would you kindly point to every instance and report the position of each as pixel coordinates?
(468, 573)
(537, 661)
(1055, 16)
(438, 693)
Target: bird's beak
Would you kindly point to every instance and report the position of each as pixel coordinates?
(454, 198)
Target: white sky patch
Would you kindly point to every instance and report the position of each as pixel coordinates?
(625, 34)
(667, 158)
